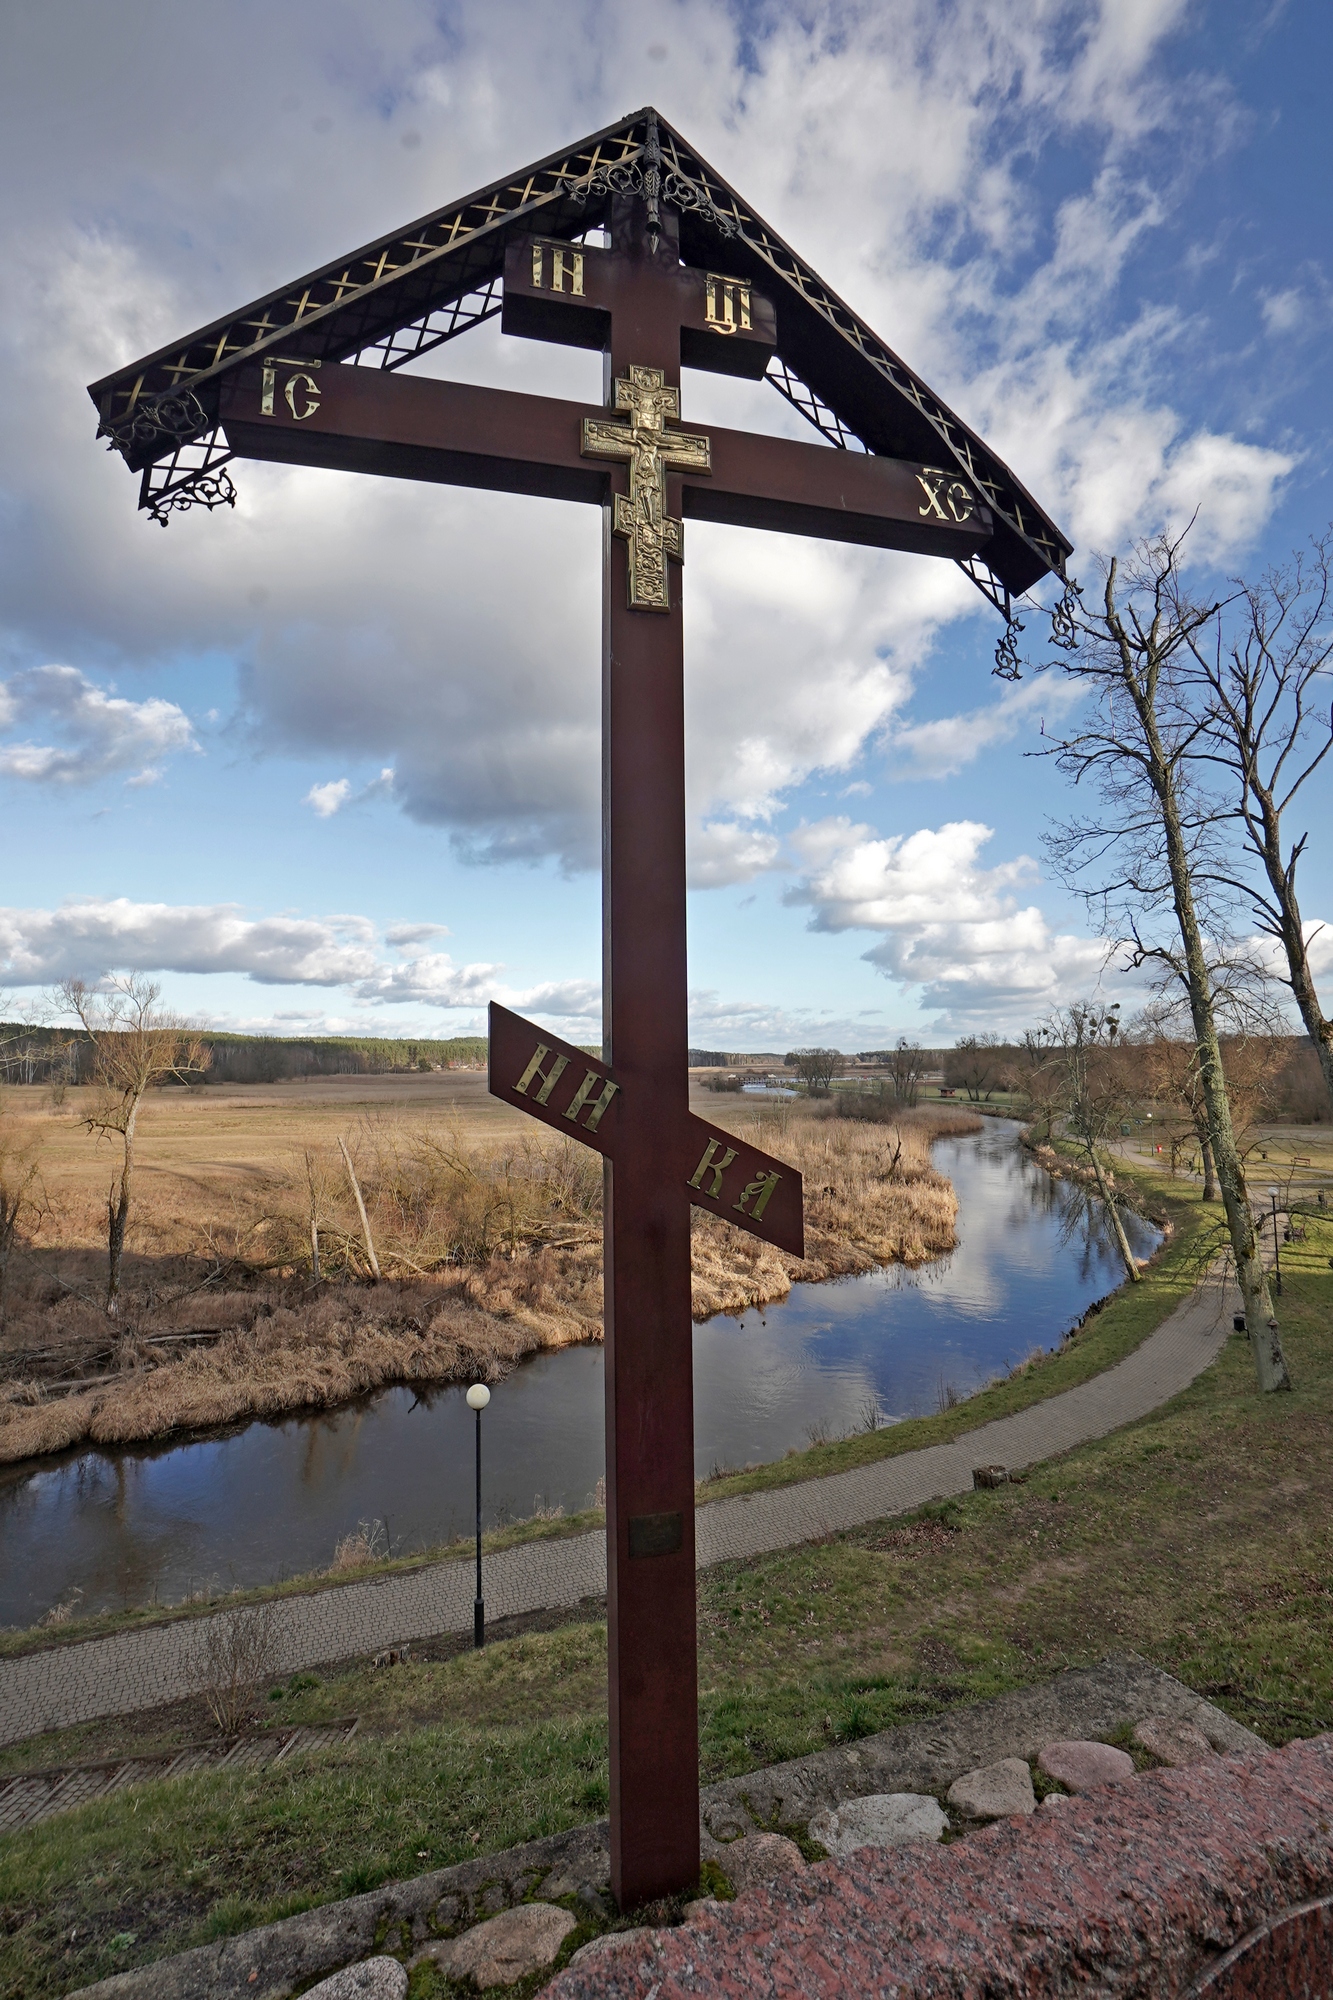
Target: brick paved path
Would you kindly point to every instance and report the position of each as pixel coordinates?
(134, 1670)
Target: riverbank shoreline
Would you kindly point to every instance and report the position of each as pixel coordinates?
(1163, 1539)
(873, 1197)
(1108, 1334)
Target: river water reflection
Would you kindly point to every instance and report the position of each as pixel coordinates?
(268, 1500)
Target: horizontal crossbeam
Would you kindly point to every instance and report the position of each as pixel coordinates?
(410, 427)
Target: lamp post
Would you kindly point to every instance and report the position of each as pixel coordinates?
(1277, 1250)
(478, 1396)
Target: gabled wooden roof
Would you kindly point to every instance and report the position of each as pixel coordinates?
(396, 298)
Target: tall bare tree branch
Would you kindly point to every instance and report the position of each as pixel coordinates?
(1157, 842)
(1266, 696)
(135, 1046)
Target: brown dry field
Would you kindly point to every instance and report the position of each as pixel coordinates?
(487, 1231)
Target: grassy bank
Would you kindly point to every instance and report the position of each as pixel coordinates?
(1106, 1335)
(1201, 1537)
(490, 1242)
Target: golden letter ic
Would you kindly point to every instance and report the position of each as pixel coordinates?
(711, 1165)
(549, 1077)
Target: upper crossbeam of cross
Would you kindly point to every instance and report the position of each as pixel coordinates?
(363, 420)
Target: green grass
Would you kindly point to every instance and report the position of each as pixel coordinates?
(1201, 1537)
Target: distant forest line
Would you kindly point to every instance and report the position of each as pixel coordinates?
(48, 1055)
(978, 1067)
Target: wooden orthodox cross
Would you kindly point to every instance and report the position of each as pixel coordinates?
(276, 396)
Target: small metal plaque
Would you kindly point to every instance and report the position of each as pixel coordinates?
(656, 1534)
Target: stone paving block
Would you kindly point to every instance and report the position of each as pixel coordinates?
(508, 1947)
(759, 1858)
(885, 1819)
(995, 1790)
(616, 1940)
(1173, 1740)
(373, 1979)
(1082, 1767)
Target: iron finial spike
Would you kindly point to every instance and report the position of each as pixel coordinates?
(652, 181)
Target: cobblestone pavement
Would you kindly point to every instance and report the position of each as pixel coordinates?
(142, 1669)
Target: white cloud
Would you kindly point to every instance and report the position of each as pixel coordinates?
(328, 799)
(90, 937)
(331, 798)
(97, 734)
(946, 923)
(944, 747)
(405, 934)
(456, 633)
(726, 851)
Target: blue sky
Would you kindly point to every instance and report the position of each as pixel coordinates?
(330, 761)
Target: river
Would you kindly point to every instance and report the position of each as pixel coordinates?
(267, 1500)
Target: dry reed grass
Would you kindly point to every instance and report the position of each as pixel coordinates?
(490, 1245)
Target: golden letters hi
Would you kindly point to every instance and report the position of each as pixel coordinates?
(565, 263)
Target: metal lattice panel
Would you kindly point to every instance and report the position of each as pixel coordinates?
(830, 425)
(409, 343)
(395, 299)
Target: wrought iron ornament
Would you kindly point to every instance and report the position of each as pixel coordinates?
(406, 293)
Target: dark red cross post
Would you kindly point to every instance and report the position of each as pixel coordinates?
(272, 381)
(648, 313)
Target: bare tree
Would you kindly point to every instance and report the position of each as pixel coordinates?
(1154, 846)
(135, 1046)
(1266, 686)
(907, 1066)
(1169, 1073)
(1080, 1044)
(973, 1063)
(22, 1196)
(240, 1649)
(815, 1067)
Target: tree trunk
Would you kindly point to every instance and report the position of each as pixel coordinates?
(1260, 1321)
(361, 1211)
(1209, 1170)
(118, 1214)
(1130, 1260)
(1282, 881)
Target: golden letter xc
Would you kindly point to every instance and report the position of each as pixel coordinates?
(760, 1189)
(711, 1165)
(940, 487)
(549, 1078)
(581, 1096)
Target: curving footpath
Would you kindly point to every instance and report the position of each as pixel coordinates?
(141, 1669)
